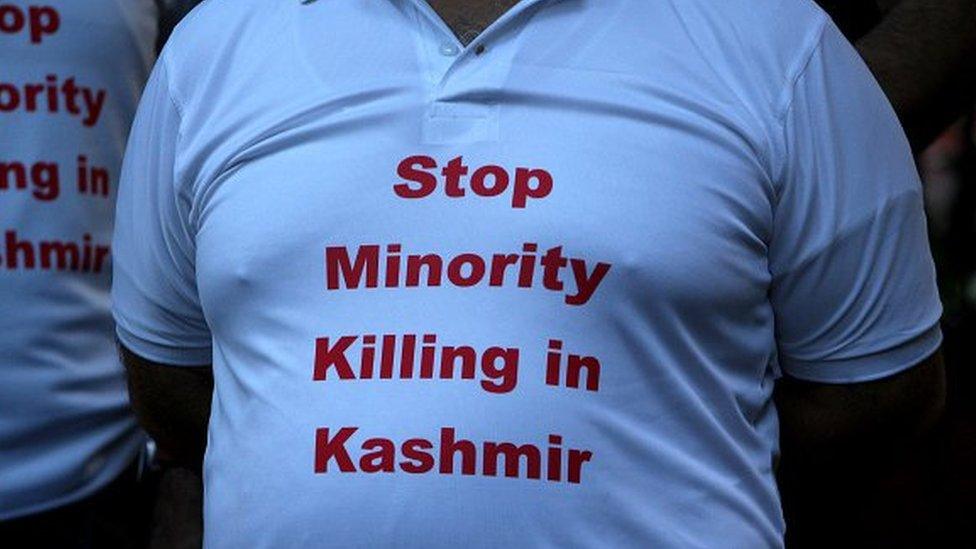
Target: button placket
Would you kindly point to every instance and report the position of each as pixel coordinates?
(429, 19)
(437, 51)
(454, 69)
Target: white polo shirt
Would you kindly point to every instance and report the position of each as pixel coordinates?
(71, 73)
(530, 292)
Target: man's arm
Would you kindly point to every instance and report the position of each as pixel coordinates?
(829, 423)
(157, 309)
(854, 457)
(923, 54)
(172, 403)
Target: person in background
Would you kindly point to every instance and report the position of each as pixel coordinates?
(71, 74)
(923, 53)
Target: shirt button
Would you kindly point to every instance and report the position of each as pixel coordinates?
(449, 50)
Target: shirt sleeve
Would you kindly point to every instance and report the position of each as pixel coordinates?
(155, 301)
(853, 290)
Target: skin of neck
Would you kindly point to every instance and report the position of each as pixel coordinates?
(469, 18)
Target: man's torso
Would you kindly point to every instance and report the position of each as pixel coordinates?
(547, 245)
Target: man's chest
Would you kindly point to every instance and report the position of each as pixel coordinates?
(611, 212)
(400, 166)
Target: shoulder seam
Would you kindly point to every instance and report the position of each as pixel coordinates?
(785, 101)
(170, 89)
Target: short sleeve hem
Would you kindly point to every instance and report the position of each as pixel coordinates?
(164, 354)
(869, 367)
